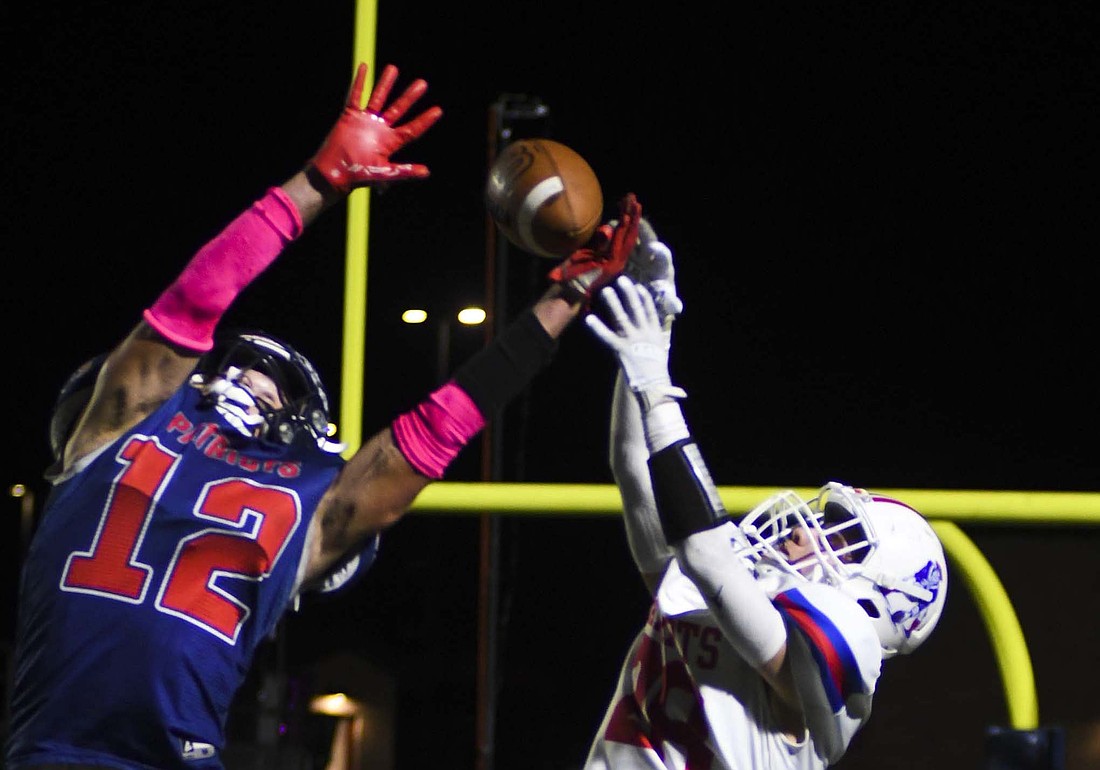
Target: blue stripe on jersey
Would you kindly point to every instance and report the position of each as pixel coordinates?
(836, 663)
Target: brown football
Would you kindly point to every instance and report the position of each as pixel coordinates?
(544, 197)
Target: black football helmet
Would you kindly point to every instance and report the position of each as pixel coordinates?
(304, 413)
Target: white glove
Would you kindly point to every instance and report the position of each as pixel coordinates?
(651, 264)
(639, 340)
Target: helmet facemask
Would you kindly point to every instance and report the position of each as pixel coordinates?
(303, 412)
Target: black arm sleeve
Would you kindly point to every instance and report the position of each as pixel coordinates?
(496, 374)
(687, 499)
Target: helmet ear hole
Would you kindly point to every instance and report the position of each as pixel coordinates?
(869, 607)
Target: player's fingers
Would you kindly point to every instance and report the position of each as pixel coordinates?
(382, 89)
(625, 237)
(418, 125)
(402, 103)
(667, 301)
(661, 255)
(410, 171)
(355, 93)
(601, 330)
(647, 317)
(602, 237)
(638, 301)
(610, 297)
(631, 211)
(649, 302)
(646, 233)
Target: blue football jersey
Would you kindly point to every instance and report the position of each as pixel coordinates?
(158, 568)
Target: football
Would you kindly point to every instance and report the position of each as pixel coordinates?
(544, 197)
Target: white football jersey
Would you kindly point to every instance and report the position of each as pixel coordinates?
(686, 700)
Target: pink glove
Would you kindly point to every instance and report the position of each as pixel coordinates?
(356, 153)
(587, 270)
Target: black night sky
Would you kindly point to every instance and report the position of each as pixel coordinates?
(884, 221)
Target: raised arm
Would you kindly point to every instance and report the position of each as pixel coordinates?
(650, 264)
(385, 475)
(155, 359)
(629, 457)
(688, 505)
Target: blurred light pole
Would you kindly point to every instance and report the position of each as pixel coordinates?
(25, 495)
(512, 116)
(346, 752)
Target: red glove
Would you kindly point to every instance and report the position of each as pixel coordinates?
(587, 270)
(357, 150)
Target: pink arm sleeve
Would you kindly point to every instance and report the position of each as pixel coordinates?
(430, 435)
(189, 310)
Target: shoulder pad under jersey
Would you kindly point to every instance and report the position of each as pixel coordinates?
(836, 659)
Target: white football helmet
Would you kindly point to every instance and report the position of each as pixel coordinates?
(875, 549)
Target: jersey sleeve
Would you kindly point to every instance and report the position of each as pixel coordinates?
(678, 595)
(836, 659)
(349, 571)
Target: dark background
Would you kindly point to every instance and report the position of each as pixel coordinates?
(884, 222)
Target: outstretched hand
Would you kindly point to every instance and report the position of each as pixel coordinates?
(357, 151)
(638, 339)
(651, 264)
(587, 270)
